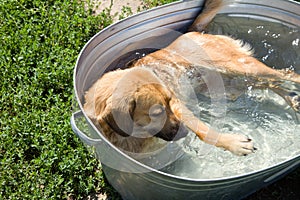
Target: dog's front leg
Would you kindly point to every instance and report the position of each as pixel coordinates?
(237, 144)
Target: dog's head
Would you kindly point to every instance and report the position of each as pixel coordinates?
(139, 106)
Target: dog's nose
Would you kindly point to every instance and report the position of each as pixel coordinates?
(182, 131)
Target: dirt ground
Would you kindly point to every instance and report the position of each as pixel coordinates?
(117, 5)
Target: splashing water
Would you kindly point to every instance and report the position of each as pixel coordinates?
(261, 114)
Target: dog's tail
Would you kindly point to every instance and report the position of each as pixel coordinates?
(210, 9)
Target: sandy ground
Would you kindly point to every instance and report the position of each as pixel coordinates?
(117, 5)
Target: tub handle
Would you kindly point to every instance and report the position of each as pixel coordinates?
(86, 139)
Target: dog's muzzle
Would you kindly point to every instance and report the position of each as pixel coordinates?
(175, 134)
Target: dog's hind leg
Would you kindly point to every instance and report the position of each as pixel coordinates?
(210, 9)
(290, 75)
(292, 98)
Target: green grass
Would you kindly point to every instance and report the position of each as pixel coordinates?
(41, 158)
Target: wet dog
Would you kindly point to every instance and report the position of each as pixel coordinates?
(136, 106)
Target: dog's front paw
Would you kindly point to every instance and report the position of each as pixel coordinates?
(237, 144)
(294, 101)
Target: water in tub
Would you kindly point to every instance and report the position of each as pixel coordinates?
(261, 114)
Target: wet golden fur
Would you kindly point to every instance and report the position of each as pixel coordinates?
(131, 106)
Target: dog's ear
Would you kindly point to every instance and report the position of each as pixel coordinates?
(89, 105)
(118, 114)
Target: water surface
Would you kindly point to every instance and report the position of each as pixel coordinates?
(261, 114)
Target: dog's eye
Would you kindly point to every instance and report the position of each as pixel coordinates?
(156, 110)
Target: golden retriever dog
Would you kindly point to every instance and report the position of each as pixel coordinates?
(139, 107)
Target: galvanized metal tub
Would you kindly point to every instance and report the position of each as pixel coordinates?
(107, 50)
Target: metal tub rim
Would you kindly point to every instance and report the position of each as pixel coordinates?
(111, 29)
